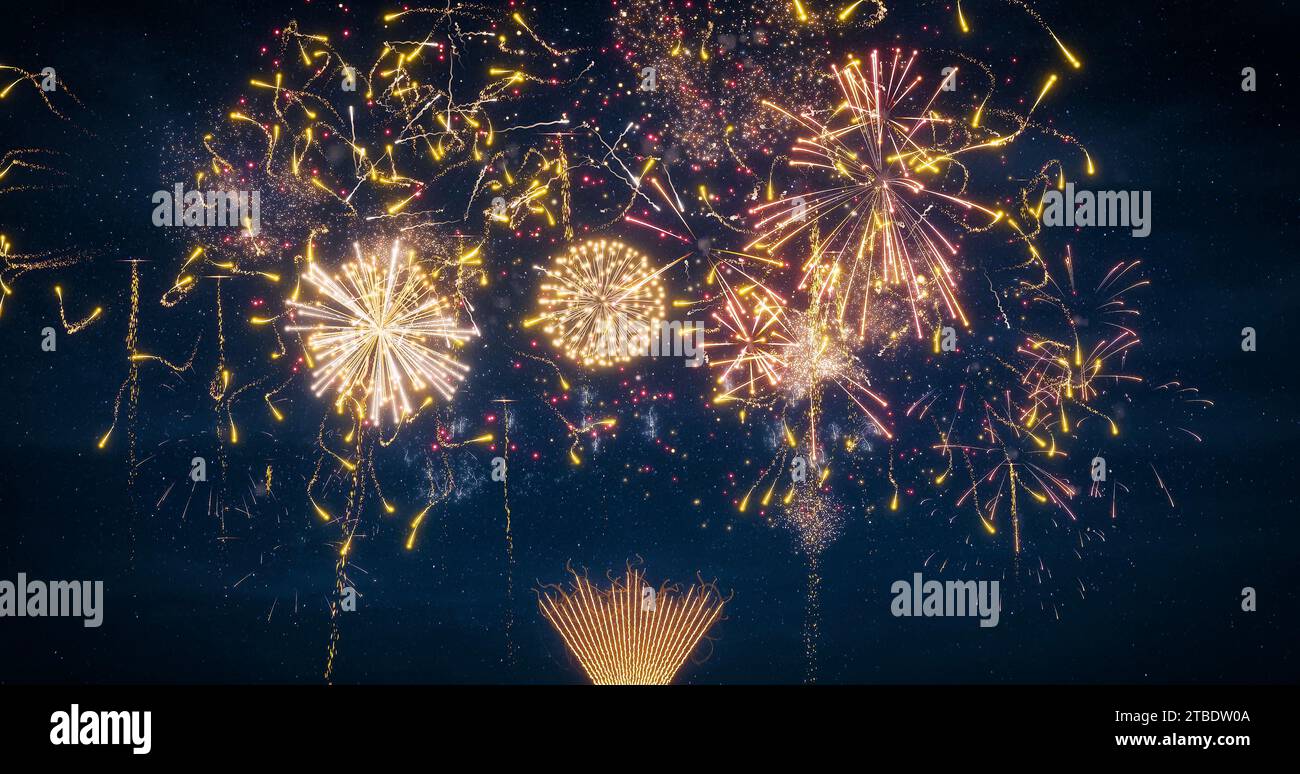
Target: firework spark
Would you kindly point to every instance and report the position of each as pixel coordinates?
(787, 359)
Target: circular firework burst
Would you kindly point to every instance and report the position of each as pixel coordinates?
(774, 356)
(381, 334)
(602, 303)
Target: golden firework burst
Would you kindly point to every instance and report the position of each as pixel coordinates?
(601, 302)
(631, 633)
(381, 334)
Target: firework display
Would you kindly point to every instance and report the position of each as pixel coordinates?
(422, 303)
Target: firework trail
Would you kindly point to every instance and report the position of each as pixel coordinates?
(510, 538)
(31, 170)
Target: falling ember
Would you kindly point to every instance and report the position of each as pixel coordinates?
(602, 302)
(381, 334)
(631, 633)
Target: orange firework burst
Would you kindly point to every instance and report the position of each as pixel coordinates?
(868, 214)
(631, 634)
(752, 351)
(774, 354)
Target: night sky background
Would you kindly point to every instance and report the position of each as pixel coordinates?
(1158, 103)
